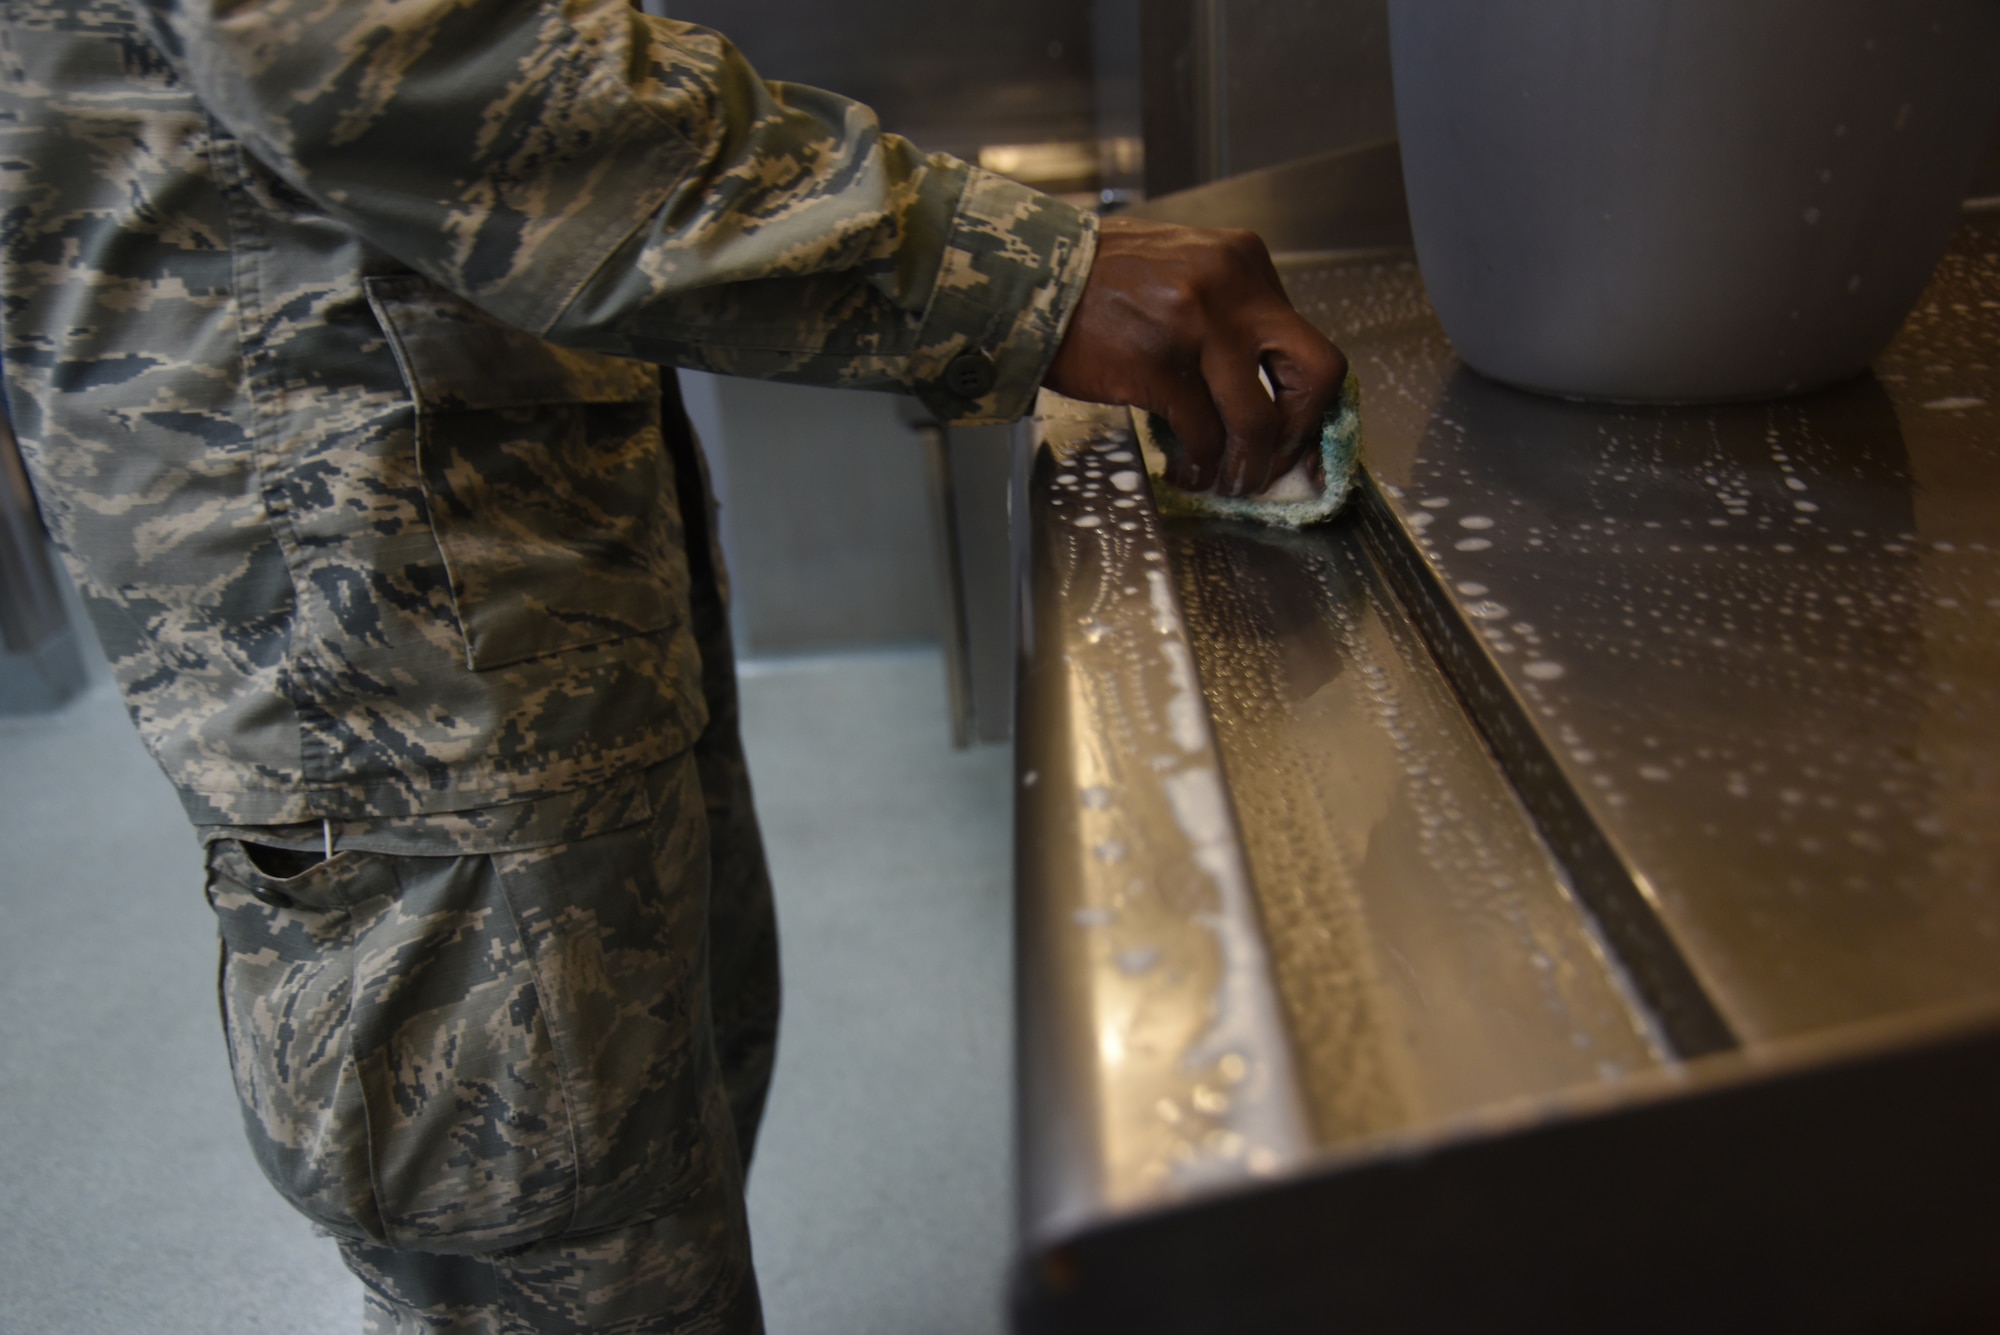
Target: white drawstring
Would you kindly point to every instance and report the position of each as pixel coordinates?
(326, 827)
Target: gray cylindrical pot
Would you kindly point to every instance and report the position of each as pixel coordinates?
(1686, 199)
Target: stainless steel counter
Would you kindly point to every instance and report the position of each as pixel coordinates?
(1601, 899)
(1744, 663)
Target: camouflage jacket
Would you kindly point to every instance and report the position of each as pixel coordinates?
(316, 319)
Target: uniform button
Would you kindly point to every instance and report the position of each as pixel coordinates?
(277, 899)
(969, 375)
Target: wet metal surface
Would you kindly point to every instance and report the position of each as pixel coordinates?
(1607, 888)
(1153, 1057)
(1431, 959)
(1750, 654)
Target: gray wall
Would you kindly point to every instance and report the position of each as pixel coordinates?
(1114, 39)
(950, 76)
(1233, 85)
(825, 514)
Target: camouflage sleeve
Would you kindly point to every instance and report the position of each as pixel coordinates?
(628, 184)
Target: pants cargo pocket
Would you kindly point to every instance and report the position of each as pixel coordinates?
(391, 1052)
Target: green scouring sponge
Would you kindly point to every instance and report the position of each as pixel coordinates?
(1293, 501)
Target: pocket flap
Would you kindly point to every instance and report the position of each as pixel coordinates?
(545, 479)
(457, 357)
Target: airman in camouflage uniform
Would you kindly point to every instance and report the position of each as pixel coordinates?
(330, 333)
(317, 320)
(285, 287)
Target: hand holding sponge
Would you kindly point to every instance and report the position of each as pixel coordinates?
(1311, 492)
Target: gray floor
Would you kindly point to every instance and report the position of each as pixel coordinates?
(880, 1199)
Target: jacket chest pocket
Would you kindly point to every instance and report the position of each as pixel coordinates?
(545, 474)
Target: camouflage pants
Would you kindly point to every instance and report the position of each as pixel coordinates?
(518, 1086)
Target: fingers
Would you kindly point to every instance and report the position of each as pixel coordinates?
(1178, 320)
(1307, 371)
(1199, 429)
(1268, 426)
(1240, 433)
(1251, 422)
